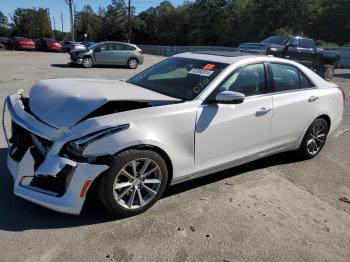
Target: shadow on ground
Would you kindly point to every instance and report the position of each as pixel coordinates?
(17, 214)
(343, 75)
(95, 66)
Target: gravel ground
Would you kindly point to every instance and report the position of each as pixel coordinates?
(274, 209)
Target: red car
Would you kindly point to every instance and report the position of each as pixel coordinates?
(44, 44)
(20, 43)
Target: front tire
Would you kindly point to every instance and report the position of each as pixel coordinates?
(133, 63)
(87, 62)
(314, 139)
(136, 180)
(326, 72)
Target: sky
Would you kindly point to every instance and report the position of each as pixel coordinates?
(58, 6)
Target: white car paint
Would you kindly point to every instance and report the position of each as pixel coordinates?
(197, 138)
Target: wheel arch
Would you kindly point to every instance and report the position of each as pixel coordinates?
(324, 116)
(158, 150)
(154, 148)
(327, 119)
(134, 57)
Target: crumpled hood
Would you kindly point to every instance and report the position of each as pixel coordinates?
(64, 102)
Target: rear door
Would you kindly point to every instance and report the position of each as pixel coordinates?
(123, 53)
(295, 101)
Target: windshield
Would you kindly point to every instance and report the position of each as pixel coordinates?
(279, 40)
(182, 78)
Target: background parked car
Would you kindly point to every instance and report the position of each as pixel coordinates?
(109, 53)
(20, 43)
(3, 42)
(88, 44)
(69, 46)
(300, 49)
(44, 44)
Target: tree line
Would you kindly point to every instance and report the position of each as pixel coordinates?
(199, 22)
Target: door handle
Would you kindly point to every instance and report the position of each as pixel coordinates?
(313, 98)
(263, 111)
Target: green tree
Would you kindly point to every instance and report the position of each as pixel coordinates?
(31, 23)
(87, 22)
(114, 22)
(4, 29)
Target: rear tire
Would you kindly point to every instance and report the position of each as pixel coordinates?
(87, 62)
(136, 180)
(133, 63)
(326, 72)
(314, 139)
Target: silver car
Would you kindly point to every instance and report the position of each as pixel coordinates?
(188, 116)
(109, 53)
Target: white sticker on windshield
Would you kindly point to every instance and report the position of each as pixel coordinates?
(201, 72)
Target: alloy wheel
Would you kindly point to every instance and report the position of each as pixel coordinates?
(87, 62)
(316, 138)
(132, 63)
(137, 183)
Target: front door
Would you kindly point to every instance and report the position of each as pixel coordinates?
(225, 133)
(106, 54)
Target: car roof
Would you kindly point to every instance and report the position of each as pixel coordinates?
(115, 42)
(227, 57)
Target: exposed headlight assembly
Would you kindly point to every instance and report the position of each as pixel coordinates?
(74, 149)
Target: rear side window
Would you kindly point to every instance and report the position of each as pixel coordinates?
(287, 78)
(304, 81)
(306, 43)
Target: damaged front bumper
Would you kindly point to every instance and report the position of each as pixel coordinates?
(40, 174)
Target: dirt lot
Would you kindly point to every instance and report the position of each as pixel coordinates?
(274, 209)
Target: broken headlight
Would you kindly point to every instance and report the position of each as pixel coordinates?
(74, 149)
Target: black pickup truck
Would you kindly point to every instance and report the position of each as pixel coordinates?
(300, 49)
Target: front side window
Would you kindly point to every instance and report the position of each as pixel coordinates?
(288, 78)
(108, 47)
(248, 80)
(183, 78)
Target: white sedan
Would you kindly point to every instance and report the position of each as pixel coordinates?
(190, 115)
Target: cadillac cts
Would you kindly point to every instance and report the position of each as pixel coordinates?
(190, 115)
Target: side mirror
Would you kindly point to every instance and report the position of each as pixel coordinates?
(97, 49)
(228, 97)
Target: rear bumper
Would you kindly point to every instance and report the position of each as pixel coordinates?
(27, 168)
(26, 47)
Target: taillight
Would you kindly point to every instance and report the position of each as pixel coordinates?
(141, 52)
(342, 90)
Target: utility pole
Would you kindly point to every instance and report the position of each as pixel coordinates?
(70, 5)
(129, 22)
(54, 27)
(62, 21)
